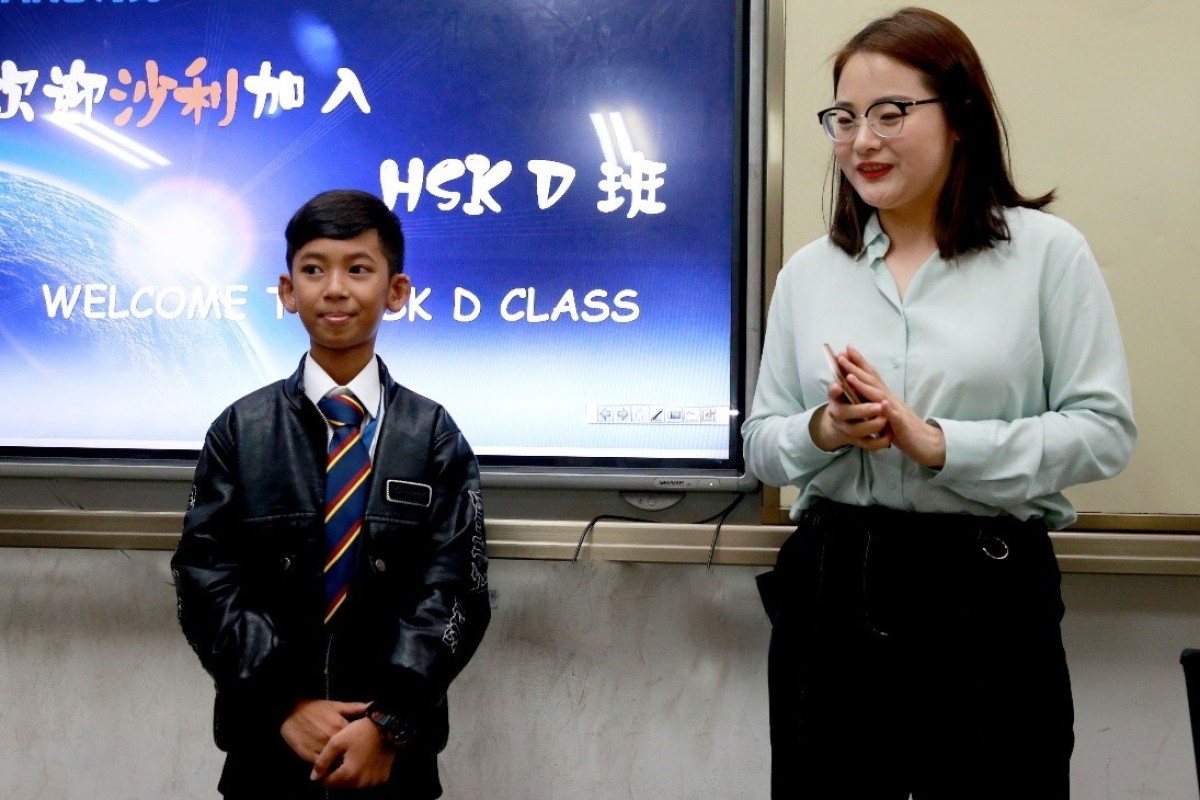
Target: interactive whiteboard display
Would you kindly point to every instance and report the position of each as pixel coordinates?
(571, 178)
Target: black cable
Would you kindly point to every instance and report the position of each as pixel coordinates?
(721, 515)
(725, 512)
(592, 524)
(712, 549)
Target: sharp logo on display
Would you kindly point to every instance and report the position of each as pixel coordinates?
(686, 483)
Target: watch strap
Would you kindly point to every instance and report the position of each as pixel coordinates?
(395, 729)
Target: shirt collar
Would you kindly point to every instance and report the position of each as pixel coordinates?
(365, 385)
(875, 241)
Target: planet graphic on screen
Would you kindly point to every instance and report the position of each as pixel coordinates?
(110, 368)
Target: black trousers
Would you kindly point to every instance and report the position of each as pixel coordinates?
(917, 655)
(274, 771)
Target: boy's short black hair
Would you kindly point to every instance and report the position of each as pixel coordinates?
(344, 214)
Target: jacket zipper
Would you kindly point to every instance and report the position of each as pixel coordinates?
(328, 678)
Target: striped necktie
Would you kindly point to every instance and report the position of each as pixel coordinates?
(348, 471)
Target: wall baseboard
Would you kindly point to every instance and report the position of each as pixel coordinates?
(1145, 551)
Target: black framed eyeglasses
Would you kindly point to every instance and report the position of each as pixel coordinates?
(885, 118)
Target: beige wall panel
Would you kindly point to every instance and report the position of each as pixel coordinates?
(1101, 104)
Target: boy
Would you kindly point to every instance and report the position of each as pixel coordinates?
(332, 611)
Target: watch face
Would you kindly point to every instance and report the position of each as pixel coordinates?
(394, 730)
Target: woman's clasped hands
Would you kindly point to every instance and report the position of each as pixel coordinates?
(880, 421)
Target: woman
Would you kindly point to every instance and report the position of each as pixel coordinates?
(916, 645)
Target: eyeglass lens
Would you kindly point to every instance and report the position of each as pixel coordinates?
(885, 119)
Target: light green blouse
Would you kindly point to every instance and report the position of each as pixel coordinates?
(1014, 351)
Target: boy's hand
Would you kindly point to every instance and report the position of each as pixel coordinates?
(312, 723)
(355, 758)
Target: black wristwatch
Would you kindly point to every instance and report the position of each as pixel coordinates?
(394, 729)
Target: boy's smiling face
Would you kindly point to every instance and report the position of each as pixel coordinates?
(341, 289)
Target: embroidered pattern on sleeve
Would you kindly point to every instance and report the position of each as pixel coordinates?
(478, 546)
(452, 636)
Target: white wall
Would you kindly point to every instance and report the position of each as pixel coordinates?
(597, 680)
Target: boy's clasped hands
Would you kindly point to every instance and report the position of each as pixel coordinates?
(342, 744)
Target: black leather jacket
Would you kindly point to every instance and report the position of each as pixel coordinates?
(248, 575)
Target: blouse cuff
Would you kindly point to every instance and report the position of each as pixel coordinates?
(968, 450)
(800, 441)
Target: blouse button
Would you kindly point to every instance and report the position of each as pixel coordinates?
(380, 565)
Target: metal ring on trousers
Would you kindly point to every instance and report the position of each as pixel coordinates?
(993, 546)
